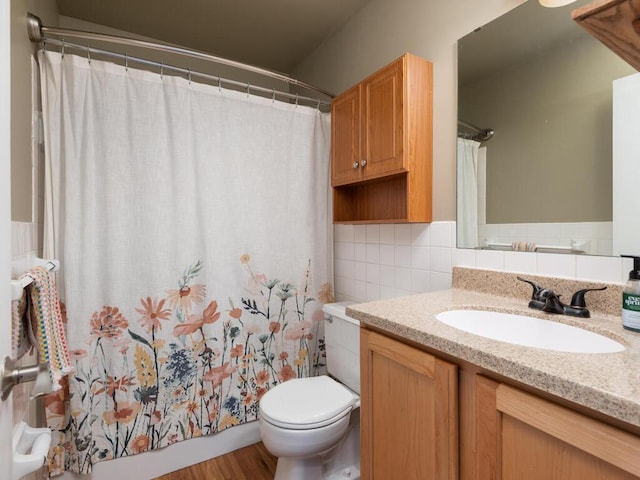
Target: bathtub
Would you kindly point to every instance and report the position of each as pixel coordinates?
(155, 463)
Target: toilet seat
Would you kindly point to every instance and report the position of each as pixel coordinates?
(307, 403)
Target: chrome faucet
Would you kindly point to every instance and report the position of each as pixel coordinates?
(548, 301)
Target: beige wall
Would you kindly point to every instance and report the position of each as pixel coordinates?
(21, 109)
(550, 160)
(382, 31)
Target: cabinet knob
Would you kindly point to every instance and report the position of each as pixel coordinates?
(363, 163)
(355, 165)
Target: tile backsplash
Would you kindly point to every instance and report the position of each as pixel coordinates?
(373, 262)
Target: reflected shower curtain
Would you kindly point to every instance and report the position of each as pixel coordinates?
(192, 227)
(467, 188)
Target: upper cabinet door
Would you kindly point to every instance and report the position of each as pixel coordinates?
(345, 137)
(382, 118)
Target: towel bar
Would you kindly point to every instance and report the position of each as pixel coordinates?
(17, 286)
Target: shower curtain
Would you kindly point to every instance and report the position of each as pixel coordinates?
(468, 193)
(192, 224)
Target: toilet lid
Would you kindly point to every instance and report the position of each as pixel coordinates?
(305, 403)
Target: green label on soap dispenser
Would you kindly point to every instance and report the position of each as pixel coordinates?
(631, 302)
(631, 311)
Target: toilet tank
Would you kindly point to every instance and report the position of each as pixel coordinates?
(342, 341)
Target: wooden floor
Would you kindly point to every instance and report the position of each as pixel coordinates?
(249, 463)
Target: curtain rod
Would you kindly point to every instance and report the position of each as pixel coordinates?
(188, 73)
(479, 134)
(38, 33)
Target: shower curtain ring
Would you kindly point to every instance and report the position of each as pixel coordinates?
(220, 84)
(88, 53)
(296, 99)
(161, 70)
(62, 49)
(248, 87)
(189, 76)
(126, 62)
(273, 95)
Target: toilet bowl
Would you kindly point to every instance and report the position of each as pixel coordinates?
(312, 424)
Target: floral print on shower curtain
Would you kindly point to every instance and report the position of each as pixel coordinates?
(180, 365)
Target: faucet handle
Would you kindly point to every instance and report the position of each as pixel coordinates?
(578, 298)
(536, 288)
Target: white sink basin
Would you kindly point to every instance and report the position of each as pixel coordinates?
(529, 331)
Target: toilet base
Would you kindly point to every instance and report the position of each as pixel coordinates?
(299, 469)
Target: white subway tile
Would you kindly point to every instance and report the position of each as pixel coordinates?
(387, 254)
(344, 268)
(439, 281)
(520, 262)
(387, 275)
(402, 234)
(387, 292)
(360, 252)
(403, 256)
(557, 265)
(440, 259)
(440, 234)
(387, 234)
(373, 253)
(420, 234)
(373, 273)
(344, 250)
(490, 259)
(403, 278)
(373, 233)
(599, 269)
(373, 292)
(464, 257)
(360, 271)
(420, 258)
(360, 233)
(420, 281)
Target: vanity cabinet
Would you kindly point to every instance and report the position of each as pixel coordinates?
(430, 416)
(381, 146)
(409, 413)
(616, 23)
(520, 435)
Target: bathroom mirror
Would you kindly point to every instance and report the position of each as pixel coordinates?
(544, 86)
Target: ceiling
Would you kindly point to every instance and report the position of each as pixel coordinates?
(273, 34)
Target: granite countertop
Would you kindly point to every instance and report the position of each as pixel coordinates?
(605, 382)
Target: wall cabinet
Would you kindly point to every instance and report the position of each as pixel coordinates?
(616, 23)
(424, 417)
(408, 411)
(381, 146)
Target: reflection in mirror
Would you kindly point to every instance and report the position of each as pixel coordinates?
(543, 180)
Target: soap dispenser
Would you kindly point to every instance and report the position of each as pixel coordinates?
(631, 297)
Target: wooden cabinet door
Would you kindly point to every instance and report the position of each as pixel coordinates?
(345, 137)
(521, 436)
(383, 122)
(408, 412)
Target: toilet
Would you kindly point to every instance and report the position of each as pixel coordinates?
(313, 424)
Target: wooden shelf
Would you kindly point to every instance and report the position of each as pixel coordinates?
(616, 23)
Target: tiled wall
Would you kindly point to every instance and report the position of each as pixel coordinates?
(594, 238)
(382, 261)
(391, 260)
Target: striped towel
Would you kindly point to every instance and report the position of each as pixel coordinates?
(524, 247)
(20, 341)
(46, 324)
